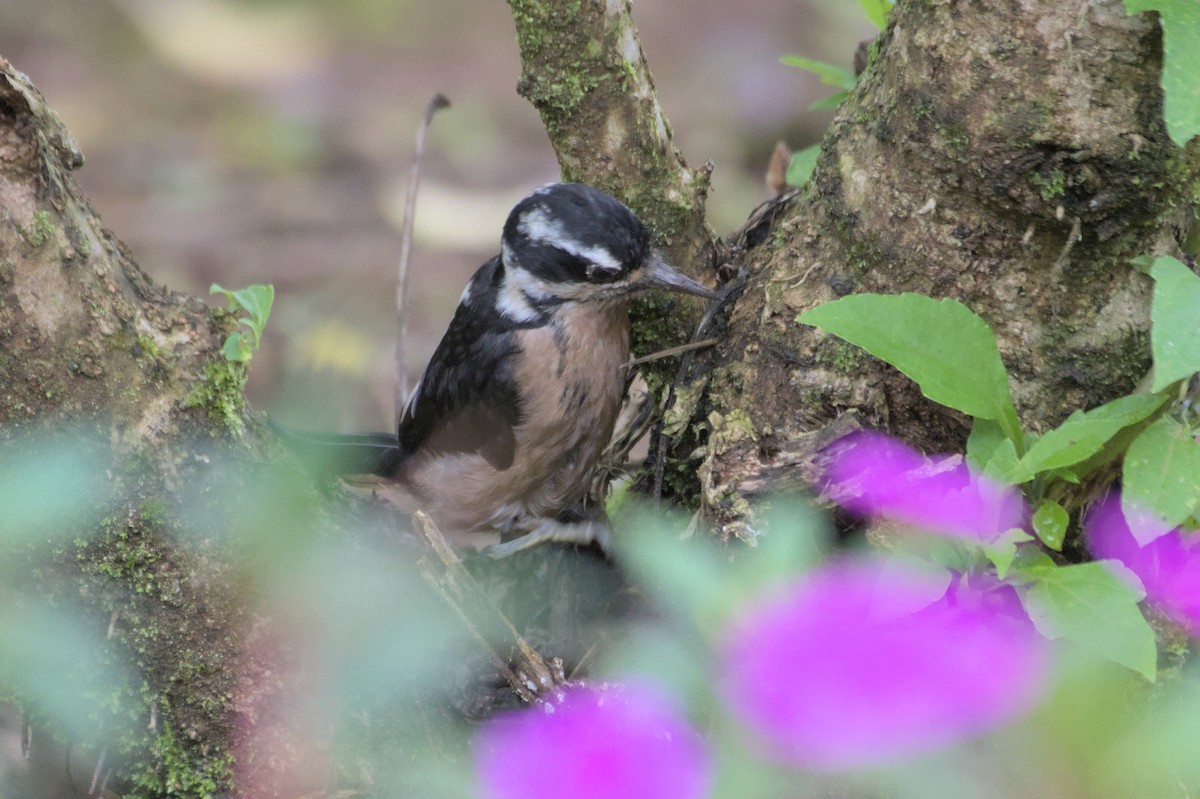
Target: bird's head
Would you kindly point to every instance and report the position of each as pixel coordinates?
(568, 242)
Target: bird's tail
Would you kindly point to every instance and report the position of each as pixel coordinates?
(343, 453)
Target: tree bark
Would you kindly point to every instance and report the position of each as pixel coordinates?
(134, 373)
(1012, 156)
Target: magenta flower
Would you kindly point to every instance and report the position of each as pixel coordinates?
(874, 475)
(1168, 566)
(623, 742)
(861, 664)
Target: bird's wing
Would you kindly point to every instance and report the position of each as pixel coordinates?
(467, 400)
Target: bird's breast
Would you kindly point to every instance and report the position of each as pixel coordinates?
(571, 387)
(570, 383)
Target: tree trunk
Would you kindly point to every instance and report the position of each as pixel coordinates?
(134, 374)
(1010, 156)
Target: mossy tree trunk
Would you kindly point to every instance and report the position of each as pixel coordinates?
(1010, 156)
(134, 374)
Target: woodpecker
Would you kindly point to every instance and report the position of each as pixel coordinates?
(508, 422)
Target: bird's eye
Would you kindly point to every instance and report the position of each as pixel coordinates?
(601, 274)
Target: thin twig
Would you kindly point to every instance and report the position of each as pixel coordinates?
(97, 772)
(669, 351)
(533, 677)
(438, 101)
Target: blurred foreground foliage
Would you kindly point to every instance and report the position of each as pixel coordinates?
(348, 674)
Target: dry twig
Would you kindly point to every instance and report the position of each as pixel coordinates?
(530, 675)
(437, 102)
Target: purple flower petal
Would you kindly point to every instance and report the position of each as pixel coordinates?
(1168, 566)
(626, 742)
(833, 674)
(874, 475)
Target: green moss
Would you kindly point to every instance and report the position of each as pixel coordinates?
(181, 772)
(839, 356)
(160, 636)
(221, 394)
(1051, 187)
(145, 345)
(953, 133)
(40, 231)
(562, 81)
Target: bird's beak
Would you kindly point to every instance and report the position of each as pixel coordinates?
(658, 274)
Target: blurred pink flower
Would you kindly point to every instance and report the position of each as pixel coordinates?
(874, 475)
(862, 664)
(626, 742)
(1168, 566)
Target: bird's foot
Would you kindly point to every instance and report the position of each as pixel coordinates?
(580, 532)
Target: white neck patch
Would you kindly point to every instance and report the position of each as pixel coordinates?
(519, 289)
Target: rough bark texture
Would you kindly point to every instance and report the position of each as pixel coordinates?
(88, 343)
(1009, 155)
(584, 71)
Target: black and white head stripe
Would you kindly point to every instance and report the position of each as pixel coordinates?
(568, 233)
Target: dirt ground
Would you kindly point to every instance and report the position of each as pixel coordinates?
(269, 141)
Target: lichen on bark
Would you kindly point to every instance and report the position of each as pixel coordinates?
(91, 345)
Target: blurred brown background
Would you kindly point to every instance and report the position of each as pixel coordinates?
(269, 141)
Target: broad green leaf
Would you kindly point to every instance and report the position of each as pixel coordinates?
(1093, 605)
(1180, 20)
(1084, 434)
(990, 453)
(689, 576)
(236, 348)
(1003, 550)
(1161, 477)
(801, 167)
(794, 537)
(51, 488)
(1174, 331)
(255, 300)
(986, 437)
(56, 660)
(830, 74)
(1050, 522)
(877, 11)
(942, 345)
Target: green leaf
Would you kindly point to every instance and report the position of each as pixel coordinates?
(1084, 434)
(1161, 477)
(830, 74)
(1002, 550)
(986, 437)
(942, 345)
(877, 11)
(1093, 605)
(1180, 20)
(1174, 332)
(236, 348)
(990, 453)
(689, 576)
(1050, 522)
(801, 167)
(828, 103)
(256, 300)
